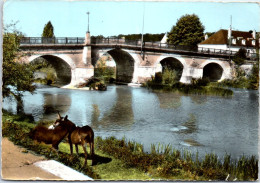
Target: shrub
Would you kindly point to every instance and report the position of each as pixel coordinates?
(240, 56)
(200, 81)
(158, 77)
(169, 76)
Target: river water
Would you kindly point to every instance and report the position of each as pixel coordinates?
(198, 123)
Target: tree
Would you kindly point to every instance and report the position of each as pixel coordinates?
(48, 30)
(240, 56)
(17, 77)
(187, 31)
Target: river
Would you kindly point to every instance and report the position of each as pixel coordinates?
(198, 123)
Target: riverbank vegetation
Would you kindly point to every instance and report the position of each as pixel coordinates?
(242, 80)
(49, 75)
(126, 160)
(168, 81)
(103, 72)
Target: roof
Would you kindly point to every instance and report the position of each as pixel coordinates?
(221, 37)
(164, 39)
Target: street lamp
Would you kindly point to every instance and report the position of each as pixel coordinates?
(88, 20)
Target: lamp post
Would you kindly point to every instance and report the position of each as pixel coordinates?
(88, 19)
(87, 37)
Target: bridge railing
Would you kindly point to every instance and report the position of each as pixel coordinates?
(55, 40)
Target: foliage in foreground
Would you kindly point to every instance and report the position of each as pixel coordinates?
(168, 163)
(17, 77)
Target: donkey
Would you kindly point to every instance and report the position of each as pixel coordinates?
(49, 136)
(78, 135)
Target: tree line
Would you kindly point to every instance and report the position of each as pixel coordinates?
(188, 31)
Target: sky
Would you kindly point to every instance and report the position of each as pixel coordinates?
(109, 18)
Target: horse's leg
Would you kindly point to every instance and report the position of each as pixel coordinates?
(91, 145)
(55, 146)
(77, 149)
(71, 145)
(85, 151)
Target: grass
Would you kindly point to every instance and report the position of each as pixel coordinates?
(119, 159)
(166, 163)
(108, 168)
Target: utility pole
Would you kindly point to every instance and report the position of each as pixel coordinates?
(88, 20)
(142, 39)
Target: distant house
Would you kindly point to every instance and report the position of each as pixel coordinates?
(164, 39)
(236, 39)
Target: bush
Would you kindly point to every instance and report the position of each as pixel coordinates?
(240, 56)
(169, 77)
(241, 81)
(200, 81)
(158, 77)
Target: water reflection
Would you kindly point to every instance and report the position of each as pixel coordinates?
(169, 100)
(53, 103)
(190, 124)
(191, 142)
(199, 99)
(119, 116)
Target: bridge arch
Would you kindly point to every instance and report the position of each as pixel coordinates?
(173, 62)
(212, 71)
(125, 63)
(216, 70)
(63, 65)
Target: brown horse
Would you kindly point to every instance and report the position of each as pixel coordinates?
(49, 136)
(78, 135)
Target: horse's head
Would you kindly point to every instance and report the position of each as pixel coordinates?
(63, 121)
(60, 120)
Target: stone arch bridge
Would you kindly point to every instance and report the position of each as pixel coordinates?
(74, 59)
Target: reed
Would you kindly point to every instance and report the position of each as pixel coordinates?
(164, 161)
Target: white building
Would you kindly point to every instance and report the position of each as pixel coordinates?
(230, 40)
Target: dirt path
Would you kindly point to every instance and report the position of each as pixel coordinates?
(18, 165)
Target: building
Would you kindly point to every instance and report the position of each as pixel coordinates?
(230, 40)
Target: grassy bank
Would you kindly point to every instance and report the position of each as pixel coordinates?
(124, 160)
(167, 163)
